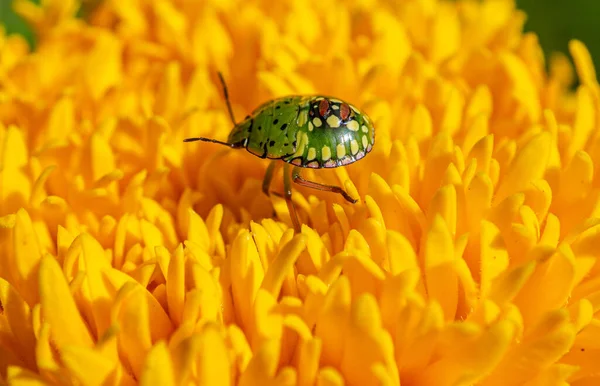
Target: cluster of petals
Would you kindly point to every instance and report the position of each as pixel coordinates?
(129, 257)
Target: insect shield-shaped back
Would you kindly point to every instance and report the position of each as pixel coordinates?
(330, 133)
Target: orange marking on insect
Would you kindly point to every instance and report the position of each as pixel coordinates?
(323, 107)
(344, 111)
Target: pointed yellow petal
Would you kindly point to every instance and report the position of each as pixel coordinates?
(87, 365)
(176, 285)
(262, 366)
(158, 367)
(440, 275)
(529, 164)
(213, 358)
(58, 307)
(246, 276)
(282, 265)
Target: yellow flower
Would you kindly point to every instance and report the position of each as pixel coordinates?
(127, 256)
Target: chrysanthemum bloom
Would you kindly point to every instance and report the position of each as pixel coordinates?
(130, 257)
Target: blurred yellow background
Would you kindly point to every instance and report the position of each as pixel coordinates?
(554, 21)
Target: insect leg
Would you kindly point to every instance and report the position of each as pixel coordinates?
(269, 176)
(203, 139)
(226, 93)
(315, 185)
(287, 188)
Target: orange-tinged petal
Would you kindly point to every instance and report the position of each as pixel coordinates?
(374, 235)
(494, 257)
(420, 123)
(329, 376)
(241, 348)
(528, 165)
(315, 255)
(158, 367)
(246, 276)
(417, 330)
(550, 340)
(211, 303)
(367, 344)
(197, 231)
(176, 286)
(261, 368)
(268, 324)
(58, 307)
(19, 376)
(133, 310)
(27, 256)
(95, 263)
(400, 253)
(308, 361)
(395, 295)
(440, 275)
(471, 356)
(583, 62)
(444, 204)
(507, 285)
(396, 216)
(559, 270)
(440, 155)
(213, 358)
(332, 322)
(87, 365)
(281, 266)
(18, 320)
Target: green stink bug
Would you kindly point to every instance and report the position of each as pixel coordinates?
(313, 131)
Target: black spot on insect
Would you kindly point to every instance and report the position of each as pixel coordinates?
(287, 102)
(275, 121)
(251, 125)
(294, 144)
(259, 127)
(286, 144)
(247, 116)
(284, 126)
(271, 143)
(277, 107)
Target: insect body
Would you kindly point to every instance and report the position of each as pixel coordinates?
(305, 132)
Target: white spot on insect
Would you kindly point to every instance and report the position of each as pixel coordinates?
(365, 141)
(364, 129)
(354, 147)
(355, 109)
(333, 121)
(333, 100)
(317, 122)
(340, 151)
(310, 126)
(325, 153)
(312, 154)
(335, 107)
(352, 125)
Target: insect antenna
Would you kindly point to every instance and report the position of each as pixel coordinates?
(226, 93)
(194, 139)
